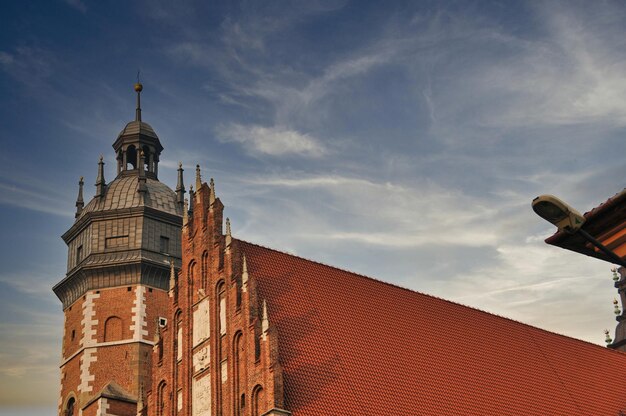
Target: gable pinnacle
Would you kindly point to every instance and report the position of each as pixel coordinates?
(244, 275)
(198, 178)
(265, 323)
(100, 182)
(172, 278)
(229, 238)
(212, 192)
(185, 213)
(80, 204)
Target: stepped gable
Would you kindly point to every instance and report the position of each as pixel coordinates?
(349, 344)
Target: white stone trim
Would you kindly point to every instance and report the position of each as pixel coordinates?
(87, 341)
(139, 314)
(61, 393)
(89, 356)
(88, 323)
(103, 407)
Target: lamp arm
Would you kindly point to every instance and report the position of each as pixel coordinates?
(614, 257)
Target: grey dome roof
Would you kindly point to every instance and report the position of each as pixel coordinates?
(123, 193)
(138, 127)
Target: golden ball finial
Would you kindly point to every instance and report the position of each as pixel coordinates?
(138, 87)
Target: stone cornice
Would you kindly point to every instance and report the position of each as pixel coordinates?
(141, 211)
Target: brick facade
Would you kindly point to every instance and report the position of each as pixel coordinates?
(217, 355)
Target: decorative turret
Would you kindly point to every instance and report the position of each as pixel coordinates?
(80, 204)
(100, 182)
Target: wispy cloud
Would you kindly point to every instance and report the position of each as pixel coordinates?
(274, 141)
(41, 200)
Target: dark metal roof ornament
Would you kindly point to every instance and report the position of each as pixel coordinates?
(180, 186)
(142, 173)
(100, 182)
(191, 200)
(80, 204)
(138, 89)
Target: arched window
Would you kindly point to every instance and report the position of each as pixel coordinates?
(221, 307)
(161, 397)
(147, 157)
(238, 366)
(70, 408)
(258, 401)
(131, 158)
(178, 334)
(113, 329)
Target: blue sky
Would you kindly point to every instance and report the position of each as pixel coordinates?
(403, 141)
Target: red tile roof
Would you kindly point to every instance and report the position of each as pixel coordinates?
(352, 345)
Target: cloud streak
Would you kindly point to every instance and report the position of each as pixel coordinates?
(273, 141)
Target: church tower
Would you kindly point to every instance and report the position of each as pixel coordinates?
(121, 248)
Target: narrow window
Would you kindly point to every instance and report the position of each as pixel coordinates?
(205, 260)
(238, 365)
(179, 343)
(79, 254)
(164, 245)
(73, 334)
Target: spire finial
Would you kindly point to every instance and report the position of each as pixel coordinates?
(180, 187)
(138, 89)
(100, 183)
(198, 178)
(80, 204)
(265, 323)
